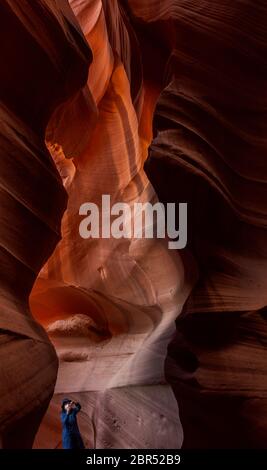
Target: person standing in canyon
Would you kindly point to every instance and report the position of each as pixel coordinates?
(71, 437)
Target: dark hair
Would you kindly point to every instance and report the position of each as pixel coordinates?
(64, 403)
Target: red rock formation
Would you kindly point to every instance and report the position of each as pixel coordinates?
(109, 306)
(209, 149)
(117, 283)
(38, 42)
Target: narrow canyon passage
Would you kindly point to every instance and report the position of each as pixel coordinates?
(145, 101)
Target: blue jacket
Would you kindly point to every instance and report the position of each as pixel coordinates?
(71, 437)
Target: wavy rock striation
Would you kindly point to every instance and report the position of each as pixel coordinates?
(209, 150)
(198, 70)
(38, 40)
(133, 290)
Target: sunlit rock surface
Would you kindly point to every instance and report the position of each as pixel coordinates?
(197, 72)
(132, 290)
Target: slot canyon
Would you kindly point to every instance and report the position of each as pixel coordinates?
(146, 101)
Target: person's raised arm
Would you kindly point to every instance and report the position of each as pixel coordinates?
(77, 407)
